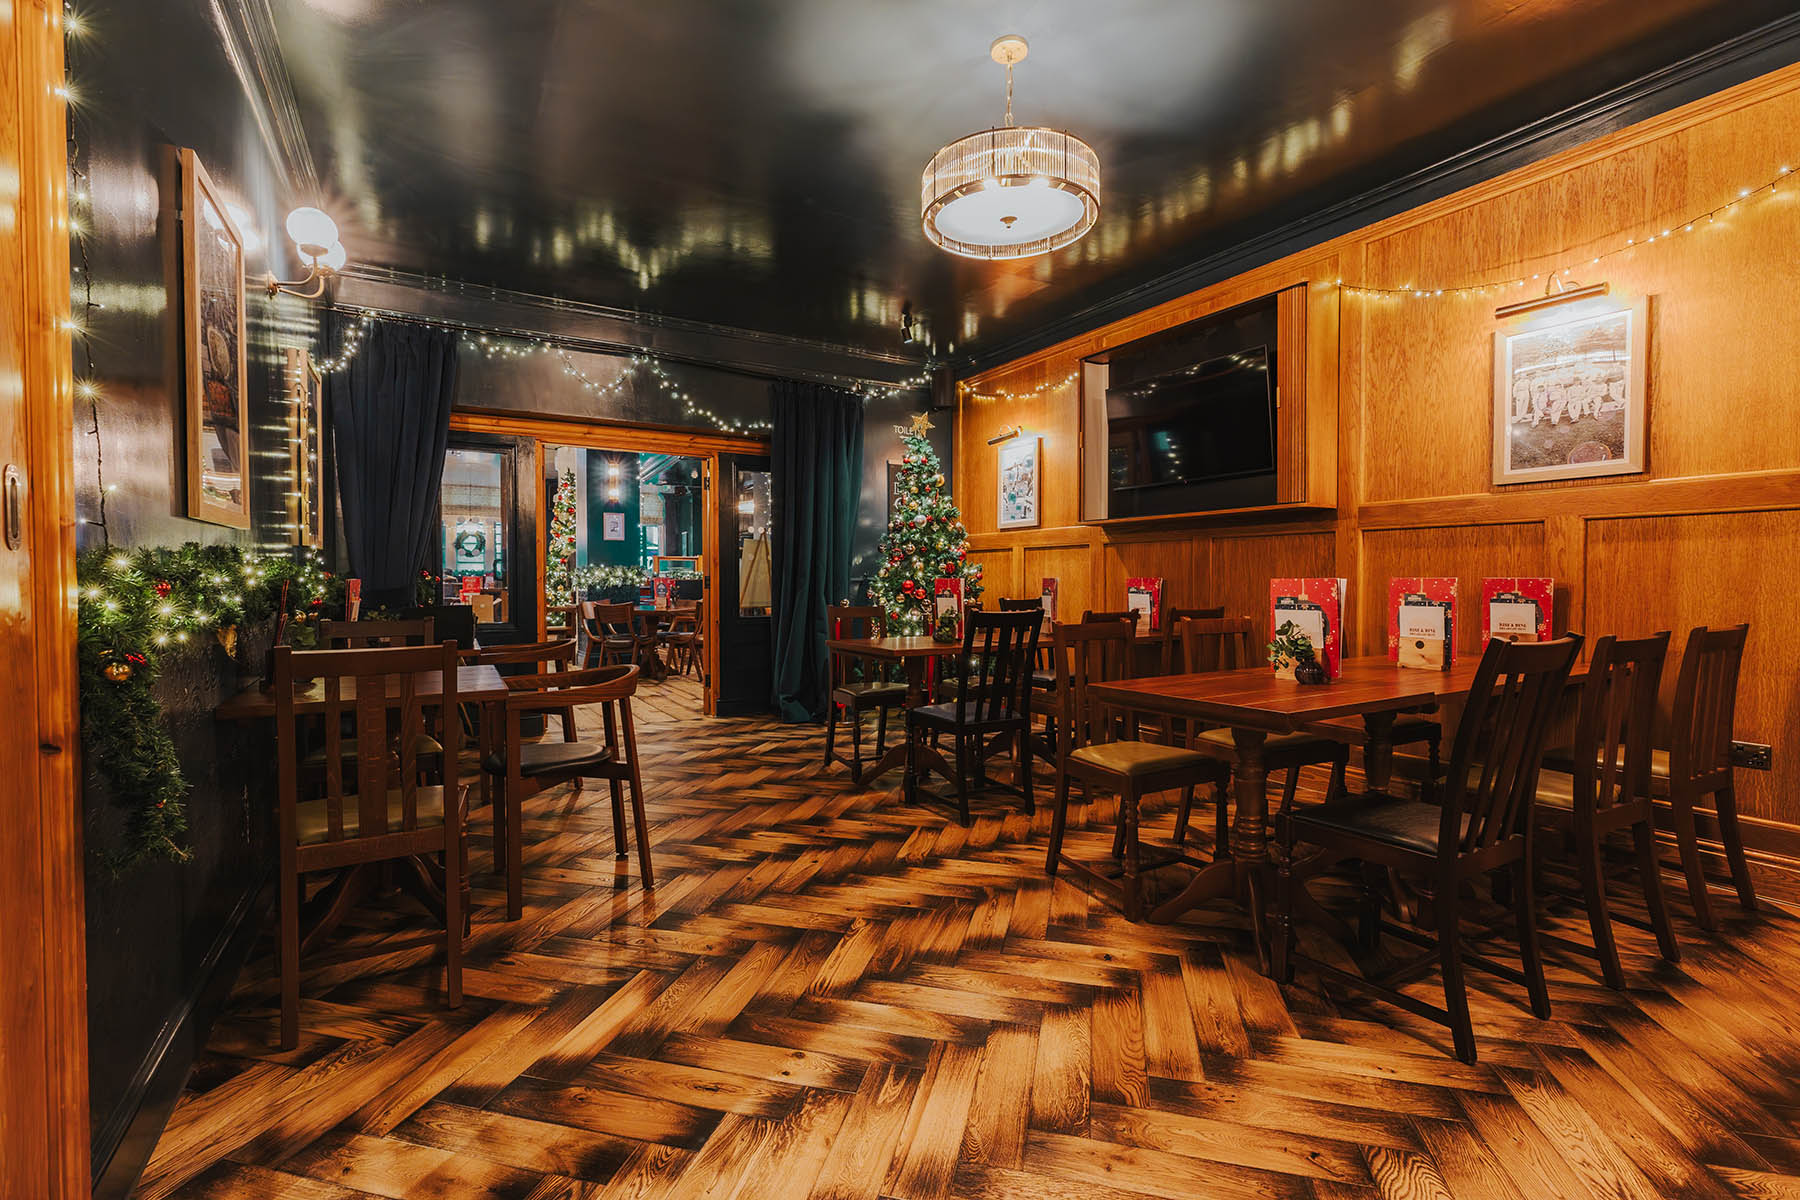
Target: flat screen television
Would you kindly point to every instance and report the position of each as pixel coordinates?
(1209, 423)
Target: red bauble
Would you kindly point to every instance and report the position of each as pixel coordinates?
(163, 588)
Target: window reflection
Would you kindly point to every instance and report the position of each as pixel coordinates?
(753, 543)
(472, 533)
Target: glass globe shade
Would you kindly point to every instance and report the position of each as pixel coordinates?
(333, 259)
(1004, 216)
(312, 230)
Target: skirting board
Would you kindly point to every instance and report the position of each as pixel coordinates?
(124, 1142)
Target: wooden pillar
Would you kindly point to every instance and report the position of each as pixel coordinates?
(43, 1012)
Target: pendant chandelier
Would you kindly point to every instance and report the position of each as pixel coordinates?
(1011, 192)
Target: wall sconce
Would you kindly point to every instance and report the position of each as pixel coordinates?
(1554, 293)
(315, 235)
(1007, 434)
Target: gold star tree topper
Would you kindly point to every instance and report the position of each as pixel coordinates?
(920, 423)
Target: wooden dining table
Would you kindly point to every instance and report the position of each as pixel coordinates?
(913, 653)
(1254, 703)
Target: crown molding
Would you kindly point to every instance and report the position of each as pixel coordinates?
(1738, 60)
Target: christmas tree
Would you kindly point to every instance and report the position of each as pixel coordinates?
(925, 540)
(561, 560)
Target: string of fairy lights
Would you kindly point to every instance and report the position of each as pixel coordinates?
(632, 368)
(81, 301)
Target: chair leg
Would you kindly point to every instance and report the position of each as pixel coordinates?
(1130, 883)
(881, 716)
(1593, 888)
(1368, 922)
(1059, 819)
(1725, 801)
(453, 926)
(1024, 756)
(1456, 996)
(909, 782)
(620, 850)
(1221, 817)
(515, 857)
(1687, 839)
(1181, 817)
(962, 777)
(1525, 910)
(1339, 785)
(831, 723)
(1654, 901)
(639, 822)
(856, 767)
(290, 960)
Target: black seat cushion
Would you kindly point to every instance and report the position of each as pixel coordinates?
(1044, 680)
(1395, 820)
(550, 758)
(945, 714)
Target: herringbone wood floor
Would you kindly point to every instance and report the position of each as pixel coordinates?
(830, 994)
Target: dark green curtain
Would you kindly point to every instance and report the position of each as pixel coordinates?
(815, 484)
(389, 412)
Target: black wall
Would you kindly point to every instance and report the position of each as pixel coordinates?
(159, 935)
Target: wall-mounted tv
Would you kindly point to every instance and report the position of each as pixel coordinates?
(1212, 421)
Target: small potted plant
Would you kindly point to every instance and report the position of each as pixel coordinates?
(1293, 657)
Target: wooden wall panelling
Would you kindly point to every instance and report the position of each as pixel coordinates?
(1468, 552)
(1170, 558)
(1071, 564)
(1650, 573)
(1243, 565)
(1293, 369)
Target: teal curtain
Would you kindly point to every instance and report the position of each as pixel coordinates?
(815, 484)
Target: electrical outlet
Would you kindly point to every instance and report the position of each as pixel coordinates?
(1752, 755)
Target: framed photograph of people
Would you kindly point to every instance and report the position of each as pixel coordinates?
(1569, 394)
(1018, 501)
(218, 436)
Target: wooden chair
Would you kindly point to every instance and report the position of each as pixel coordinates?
(683, 638)
(525, 767)
(858, 685)
(1698, 761)
(557, 654)
(1483, 826)
(1608, 791)
(610, 636)
(1091, 752)
(361, 635)
(375, 806)
(1172, 657)
(991, 706)
(1226, 644)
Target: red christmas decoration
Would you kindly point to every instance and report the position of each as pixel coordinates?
(162, 588)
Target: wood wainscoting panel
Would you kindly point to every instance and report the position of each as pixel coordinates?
(1071, 565)
(999, 572)
(1242, 567)
(1469, 552)
(1674, 573)
(1170, 558)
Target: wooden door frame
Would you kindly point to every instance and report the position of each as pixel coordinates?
(44, 1148)
(631, 439)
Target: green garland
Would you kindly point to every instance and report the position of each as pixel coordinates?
(137, 605)
(610, 577)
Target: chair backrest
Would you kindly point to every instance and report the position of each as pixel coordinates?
(556, 654)
(999, 651)
(1499, 745)
(378, 697)
(1700, 726)
(1216, 644)
(609, 687)
(607, 620)
(1021, 604)
(847, 621)
(1130, 616)
(1172, 657)
(356, 635)
(1099, 652)
(1617, 722)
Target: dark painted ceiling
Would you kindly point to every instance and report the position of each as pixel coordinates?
(755, 163)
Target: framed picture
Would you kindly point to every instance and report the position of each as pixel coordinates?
(612, 526)
(1018, 505)
(218, 436)
(306, 424)
(1569, 398)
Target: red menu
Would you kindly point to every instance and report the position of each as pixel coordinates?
(1048, 598)
(1517, 609)
(352, 598)
(662, 591)
(1422, 622)
(1143, 594)
(946, 605)
(1316, 607)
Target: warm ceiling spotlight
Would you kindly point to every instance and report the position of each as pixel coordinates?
(1015, 191)
(315, 236)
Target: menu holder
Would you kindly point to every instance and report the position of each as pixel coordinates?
(1422, 622)
(946, 609)
(1143, 595)
(1517, 609)
(1316, 608)
(1047, 597)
